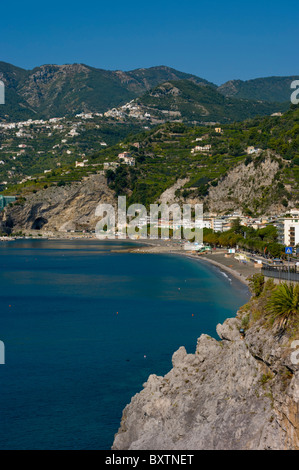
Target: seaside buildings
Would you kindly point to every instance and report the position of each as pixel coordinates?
(220, 224)
(287, 226)
(290, 232)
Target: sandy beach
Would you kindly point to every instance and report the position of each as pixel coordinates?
(218, 258)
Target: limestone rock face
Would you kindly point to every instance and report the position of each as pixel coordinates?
(244, 184)
(231, 394)
(71, 207)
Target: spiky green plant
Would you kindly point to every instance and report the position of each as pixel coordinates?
(283, 306)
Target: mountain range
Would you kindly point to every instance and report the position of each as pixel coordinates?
(58, 90)
(187, 101)
(272, 89)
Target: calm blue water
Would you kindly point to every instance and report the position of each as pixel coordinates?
(72, 361)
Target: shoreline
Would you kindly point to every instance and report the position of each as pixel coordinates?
(159, 246)
(224, 268)
(207, 259)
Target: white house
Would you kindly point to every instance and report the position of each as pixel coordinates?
(252, 150)
(201, 148)
(108, 165)
(127, 158)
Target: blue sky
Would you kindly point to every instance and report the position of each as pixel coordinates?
(216, 40)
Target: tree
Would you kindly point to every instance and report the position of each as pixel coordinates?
(268, 233)
(110, 175)
(236, 226)
(256, 284)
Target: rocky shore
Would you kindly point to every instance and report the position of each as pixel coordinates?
(233, 394)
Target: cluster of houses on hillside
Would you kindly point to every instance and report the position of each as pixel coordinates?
(204, 148)
(124, 158)
(18, 138)
(208, 147)
(131, 109)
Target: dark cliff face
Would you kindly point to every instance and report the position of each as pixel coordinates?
(231, 394)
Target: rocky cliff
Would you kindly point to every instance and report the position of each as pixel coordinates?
(236, 393)
(71, 207)
(253, 186)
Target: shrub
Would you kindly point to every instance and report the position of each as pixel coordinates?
(283, 306)
(256, 284)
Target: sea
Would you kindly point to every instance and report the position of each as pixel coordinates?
(84, 327)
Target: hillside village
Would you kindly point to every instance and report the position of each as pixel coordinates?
(32, 147)
(247, 170)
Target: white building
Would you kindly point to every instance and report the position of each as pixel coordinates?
(220, 225)
(252, 150)
(291, 232)
(108, 165)
(202, 148)
(126, 158)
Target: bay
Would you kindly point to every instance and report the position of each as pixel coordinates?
(83, 329)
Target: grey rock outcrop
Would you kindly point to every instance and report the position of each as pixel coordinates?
(245, 184)
(71, 207)
(231, 394)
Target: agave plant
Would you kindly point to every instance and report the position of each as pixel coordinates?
(283, 305)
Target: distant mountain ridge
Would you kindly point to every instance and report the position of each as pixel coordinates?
(187, 101)
(272, 89)
(59, 90)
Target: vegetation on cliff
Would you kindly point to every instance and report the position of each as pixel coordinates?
(201, 103)
(167, 153)
(274, 306)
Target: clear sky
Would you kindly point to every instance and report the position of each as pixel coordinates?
(216, 40)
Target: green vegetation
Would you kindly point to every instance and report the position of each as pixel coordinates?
(273, 306)
(279, 133)
(67, 90)
(202, 103)
(262, 241)
(163, 155)
(283, 307)
(257, 284)
(272, 89)
(50, 146)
